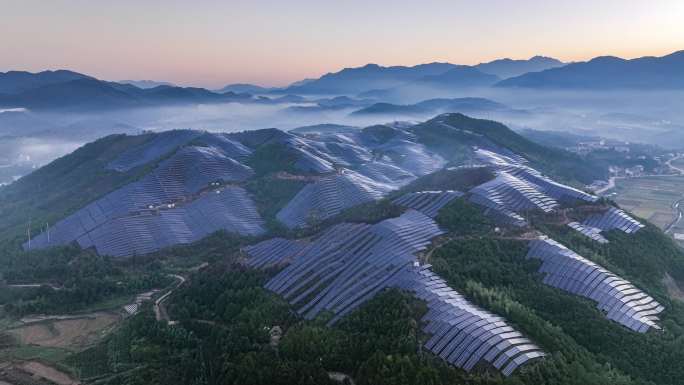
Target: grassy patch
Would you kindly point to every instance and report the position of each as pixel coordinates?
(30, 352)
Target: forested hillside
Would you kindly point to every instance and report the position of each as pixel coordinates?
(386, 255)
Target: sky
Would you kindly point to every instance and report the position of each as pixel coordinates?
(211, 43)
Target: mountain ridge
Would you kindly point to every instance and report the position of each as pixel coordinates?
(507, 68)
(608, 72)
(89, 92)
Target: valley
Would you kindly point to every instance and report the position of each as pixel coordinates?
(655, 198)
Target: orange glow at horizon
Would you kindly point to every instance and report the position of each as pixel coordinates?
(213, 43)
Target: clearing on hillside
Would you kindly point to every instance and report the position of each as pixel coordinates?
(72, 333)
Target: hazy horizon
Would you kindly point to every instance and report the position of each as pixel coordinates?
(271, 43)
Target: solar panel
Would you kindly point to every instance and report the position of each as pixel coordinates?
(428, 202)
(349, 263)
(617, 298)
(329, 196)
(461, 332)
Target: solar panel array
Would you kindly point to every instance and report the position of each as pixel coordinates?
(613, 218)
(153, 149)
(497, 211)
(396, 161)
(428, 202)
(229, 209)
(385, 173)
(342, 150)
(349, 263)
(308, 157)
(193, 168)
(549, 187)
(273, 252)
(498, 157)
(461, 333)
(410, 156)
(515, 166)
(230, 147)
(329, 196)
(591, 232)
(354, 169)
(202, 161)
(620, 300)
(610, 219)
(518, 187)
(176, 181)
(512, 194)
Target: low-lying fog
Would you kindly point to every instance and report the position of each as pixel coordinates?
(29, 139)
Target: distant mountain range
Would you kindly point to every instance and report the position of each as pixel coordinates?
(146, 83)
(87, 92)
(371, 76)
(246, 88)
(13, 82)
(432, 106)
(608, 72)
(459, 76)
(506, 68)
(67, 89)
(352, 81)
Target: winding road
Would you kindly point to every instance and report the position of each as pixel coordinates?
(611, 180)
(669, 164)
(159, 309)
(677, 207)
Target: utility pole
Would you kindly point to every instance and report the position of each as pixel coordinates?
(28, 232)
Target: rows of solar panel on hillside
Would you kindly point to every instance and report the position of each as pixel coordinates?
(588, 231)
(342, 150)
(138, 234)
(160, 145)
(229, 147)
(356, 150)
(272, 252)
(411, 156)
(461, 333)
(347, 150)
(516, 166)
(194, 168)
(610, 219)
(497, 211)
(428, 202)
(613, 218)
(175, 180)
(497, 157)
(620, 300)
(367, 178)
(351, 262)
(229, 209)
(329, 196)
(550, 187)
(386, 173)
(514, 194)
(307, 157)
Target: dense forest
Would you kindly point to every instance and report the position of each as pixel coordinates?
(232, 331)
